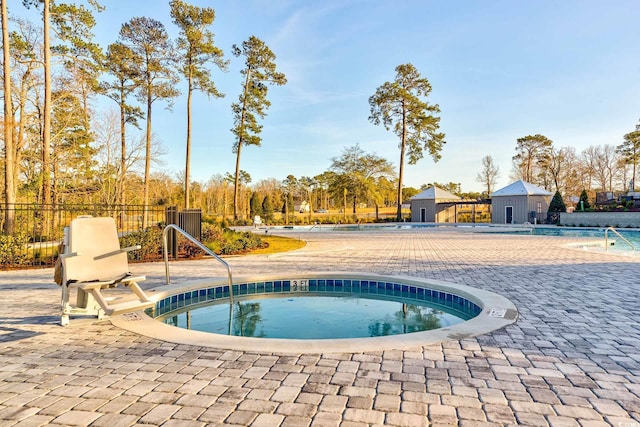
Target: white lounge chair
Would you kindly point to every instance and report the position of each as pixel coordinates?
(92, 262)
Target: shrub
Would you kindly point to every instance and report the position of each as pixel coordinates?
(557, 204)
(220, 241)
(150, 241)
(13, 249)
(211, 232)
(583, 203)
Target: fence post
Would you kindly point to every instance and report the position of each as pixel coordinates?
(172, 241)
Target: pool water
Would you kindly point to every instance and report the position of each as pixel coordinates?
(594, 233)
(318, 317)
(631, 235)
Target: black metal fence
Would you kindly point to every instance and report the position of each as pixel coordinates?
(38, 229)
(190, 220)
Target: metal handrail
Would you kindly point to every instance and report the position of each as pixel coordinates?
(193, 240)
(606, 239)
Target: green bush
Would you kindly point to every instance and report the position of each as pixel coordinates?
(150, 241)
(13, 249)
(220, 241)
(557, 204)
(584, 198)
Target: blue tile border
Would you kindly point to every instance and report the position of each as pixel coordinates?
(410, 294)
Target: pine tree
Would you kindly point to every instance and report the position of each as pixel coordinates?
(400, 105)
(532, 151)
(259, 71)
(267, 209)
(152, 64)
(196, 51)
(630, 151)
(583, 203)
(255, 205)
(557, 204)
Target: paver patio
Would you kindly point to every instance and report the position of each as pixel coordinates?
(572, 359)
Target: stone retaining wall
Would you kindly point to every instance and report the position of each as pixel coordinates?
(601, 219)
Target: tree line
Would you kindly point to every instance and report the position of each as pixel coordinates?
(57, 149)
(597, 168)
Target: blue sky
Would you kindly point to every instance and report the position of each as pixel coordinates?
(500, 70)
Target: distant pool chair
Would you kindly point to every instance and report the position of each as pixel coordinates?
(92, 262)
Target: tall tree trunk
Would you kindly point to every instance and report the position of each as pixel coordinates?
(123, 152)
(120, 198)
(9, 160)
(187, 168)
(236, 186)
(147, 165)
(46, 128)
(237, 179)
(286, 210)
(344, 202)
(403, 142)
(20, 128)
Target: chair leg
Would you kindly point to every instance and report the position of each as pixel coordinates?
(64, 306)
(138, 291)
(86, 305)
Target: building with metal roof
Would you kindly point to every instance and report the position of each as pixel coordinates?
(433, 205)
(520, 202)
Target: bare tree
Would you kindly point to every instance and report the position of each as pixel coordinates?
(588, 160)
(489, 174)
(112, 166)
(26, 48)
(570, 172)
(605, 160)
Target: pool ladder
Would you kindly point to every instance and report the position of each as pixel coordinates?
(614, 231)
(165, 237)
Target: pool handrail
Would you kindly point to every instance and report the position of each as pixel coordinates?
(606, 239)
(195, 241)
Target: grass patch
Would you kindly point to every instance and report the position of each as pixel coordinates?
(276, 244)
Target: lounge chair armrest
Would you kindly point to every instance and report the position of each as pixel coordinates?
(70, 254)
(119, 251)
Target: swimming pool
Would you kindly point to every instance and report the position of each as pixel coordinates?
(485, 310)
(333, 308)
(596, 235)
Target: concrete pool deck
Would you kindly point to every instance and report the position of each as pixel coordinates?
(571, 359)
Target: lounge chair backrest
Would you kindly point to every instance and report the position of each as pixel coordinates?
(93, 238)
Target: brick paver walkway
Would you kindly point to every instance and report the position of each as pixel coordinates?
(572, 359)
